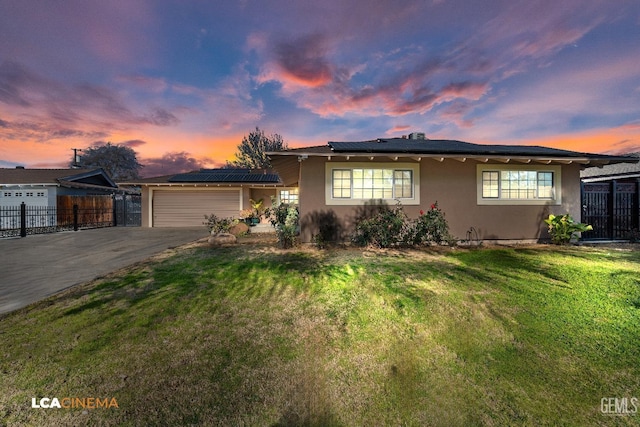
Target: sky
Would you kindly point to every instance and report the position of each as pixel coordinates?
(181, 82)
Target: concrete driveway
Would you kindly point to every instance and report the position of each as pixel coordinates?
(35, 267)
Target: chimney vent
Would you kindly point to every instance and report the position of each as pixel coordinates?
(417, 135)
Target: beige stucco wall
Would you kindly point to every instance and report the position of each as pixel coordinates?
(453, 184)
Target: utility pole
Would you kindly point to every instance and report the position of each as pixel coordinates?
(76, 157)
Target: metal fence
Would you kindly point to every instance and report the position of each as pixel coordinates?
(612, 208)
(20, 221)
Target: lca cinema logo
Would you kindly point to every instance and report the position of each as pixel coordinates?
(74, 402)
(619, 405)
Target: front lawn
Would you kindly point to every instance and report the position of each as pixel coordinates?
(251, 335)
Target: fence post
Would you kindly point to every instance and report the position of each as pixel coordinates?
(75, 217)
(23, 220)
(115, 210)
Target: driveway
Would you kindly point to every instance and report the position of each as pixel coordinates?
(35, 267)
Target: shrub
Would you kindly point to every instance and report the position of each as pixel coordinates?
(391, 227)
(284, 218)
(563, 228)
(430, 227)
(218, 225)
(385, 228)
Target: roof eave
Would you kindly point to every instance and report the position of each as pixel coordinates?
(582, 160)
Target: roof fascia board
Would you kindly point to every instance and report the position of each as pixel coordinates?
(480, 158)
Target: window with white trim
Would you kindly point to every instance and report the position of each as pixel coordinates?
(524, 185)
(289, 196)
(360, 183)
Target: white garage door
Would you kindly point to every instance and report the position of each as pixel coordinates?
(188, 208)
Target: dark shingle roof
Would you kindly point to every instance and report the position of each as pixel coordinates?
(55, 176)
(227, 176)
(618, 169)
(446, 147)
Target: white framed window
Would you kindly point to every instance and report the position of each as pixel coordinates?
(41, 194)
(29, 194)
(7, 194)
(519, 185)
(359, 183)
(289, 195)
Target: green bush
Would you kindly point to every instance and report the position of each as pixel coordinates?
(284, 218)
(218, 225)
(430, 227)
(563, 228)
(384, 229)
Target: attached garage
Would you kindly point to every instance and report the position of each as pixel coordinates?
(184, 199)
(186, 208)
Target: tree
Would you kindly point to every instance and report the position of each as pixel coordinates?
(118, 161)
(253, 148)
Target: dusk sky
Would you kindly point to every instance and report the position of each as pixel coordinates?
(181, 82)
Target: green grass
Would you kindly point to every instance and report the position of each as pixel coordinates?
(251, 335)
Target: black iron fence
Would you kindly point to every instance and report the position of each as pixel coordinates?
(23, 220)
(612, 208)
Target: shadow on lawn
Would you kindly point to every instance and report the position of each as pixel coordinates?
(229, 272)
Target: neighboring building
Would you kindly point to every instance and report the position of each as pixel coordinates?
(611, 200)
(184, 199)
(502, 192)
(620, 172)
(41, 187)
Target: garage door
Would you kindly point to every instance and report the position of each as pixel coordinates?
(188, 208)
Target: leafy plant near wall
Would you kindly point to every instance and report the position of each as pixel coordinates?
(563, 228)
(430, 227)
(284, 218)
(387, 227)
(392, 227)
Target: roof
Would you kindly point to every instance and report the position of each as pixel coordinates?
(443, 148)
(617, 170)
(97, 178)
(216, 176)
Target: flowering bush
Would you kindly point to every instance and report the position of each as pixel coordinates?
(430, 227)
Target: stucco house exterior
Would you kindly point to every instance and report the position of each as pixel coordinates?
(502, 192)
(182, 200)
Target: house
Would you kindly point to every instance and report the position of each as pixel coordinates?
(611, 200)
(182, 200)
(43, 187)
(498, 192)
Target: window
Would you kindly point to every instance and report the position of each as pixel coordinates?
(362, 182)
(7, 194)
(289, 196)
(29, 194)
(341, 184)
(513, 185)
(41, 194)
(18, 194)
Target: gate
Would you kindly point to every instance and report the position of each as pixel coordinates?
(612, 208)
(127, 210)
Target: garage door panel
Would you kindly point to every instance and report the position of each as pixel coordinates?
(188, 208)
